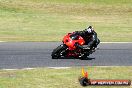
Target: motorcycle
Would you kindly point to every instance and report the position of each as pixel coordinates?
(69, 48)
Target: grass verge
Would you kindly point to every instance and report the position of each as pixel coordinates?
(50, 20)
(61, 78)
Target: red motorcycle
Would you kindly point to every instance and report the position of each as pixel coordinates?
(70, 48)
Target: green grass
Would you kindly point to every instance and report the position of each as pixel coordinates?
(50, 20)
(61, 78)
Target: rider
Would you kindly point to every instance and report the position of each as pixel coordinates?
(90, 37)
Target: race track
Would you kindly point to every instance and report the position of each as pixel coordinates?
(37, 54)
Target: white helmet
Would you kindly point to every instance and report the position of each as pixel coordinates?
(90, 29)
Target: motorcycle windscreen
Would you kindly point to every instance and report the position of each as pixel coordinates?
(74, 37)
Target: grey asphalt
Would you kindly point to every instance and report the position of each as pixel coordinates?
(37, 54)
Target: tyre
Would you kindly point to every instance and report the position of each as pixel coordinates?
(55, 56)
(56, 52)
(84, 81)
(84, 56)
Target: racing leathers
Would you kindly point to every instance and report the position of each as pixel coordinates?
(90, 38)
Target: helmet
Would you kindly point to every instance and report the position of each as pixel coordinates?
(89, 29)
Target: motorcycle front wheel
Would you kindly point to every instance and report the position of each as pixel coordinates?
(57, 51)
